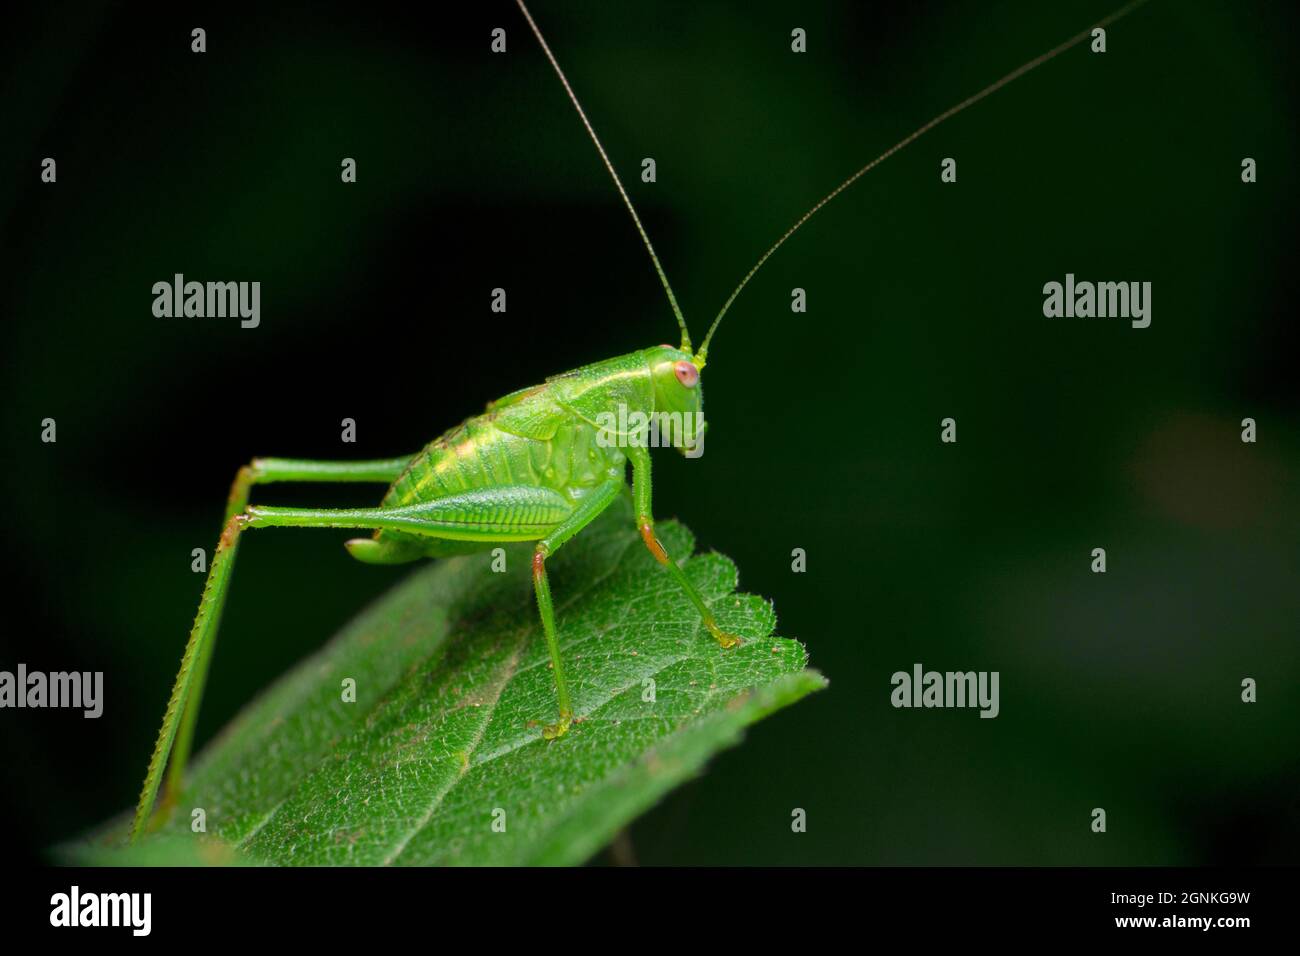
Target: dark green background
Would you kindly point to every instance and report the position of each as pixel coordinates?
(1118, 690)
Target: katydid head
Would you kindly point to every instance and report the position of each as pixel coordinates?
(678, 392)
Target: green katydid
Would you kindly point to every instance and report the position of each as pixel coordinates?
(537, 465)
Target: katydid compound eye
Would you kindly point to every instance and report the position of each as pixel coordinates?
(687, 373)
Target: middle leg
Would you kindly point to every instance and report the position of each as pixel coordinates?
(583, 515)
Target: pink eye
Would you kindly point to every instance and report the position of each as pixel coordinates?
(687, 373)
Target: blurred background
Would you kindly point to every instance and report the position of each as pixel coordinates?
(1119, 690)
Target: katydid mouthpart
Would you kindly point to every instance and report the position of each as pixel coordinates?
(537, 465)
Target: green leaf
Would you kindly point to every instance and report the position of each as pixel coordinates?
(453, 684)
(168, 849)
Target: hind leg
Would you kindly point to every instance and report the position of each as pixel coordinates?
(258, 471)
(479, 516)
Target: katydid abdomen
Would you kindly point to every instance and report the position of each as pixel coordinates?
(520, 469)
(496, 485)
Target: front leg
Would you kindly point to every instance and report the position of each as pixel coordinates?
(641, 494)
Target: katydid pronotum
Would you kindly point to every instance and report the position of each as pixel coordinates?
(532, 467)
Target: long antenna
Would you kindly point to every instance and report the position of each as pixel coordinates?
(906, 141)
(663, 277)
